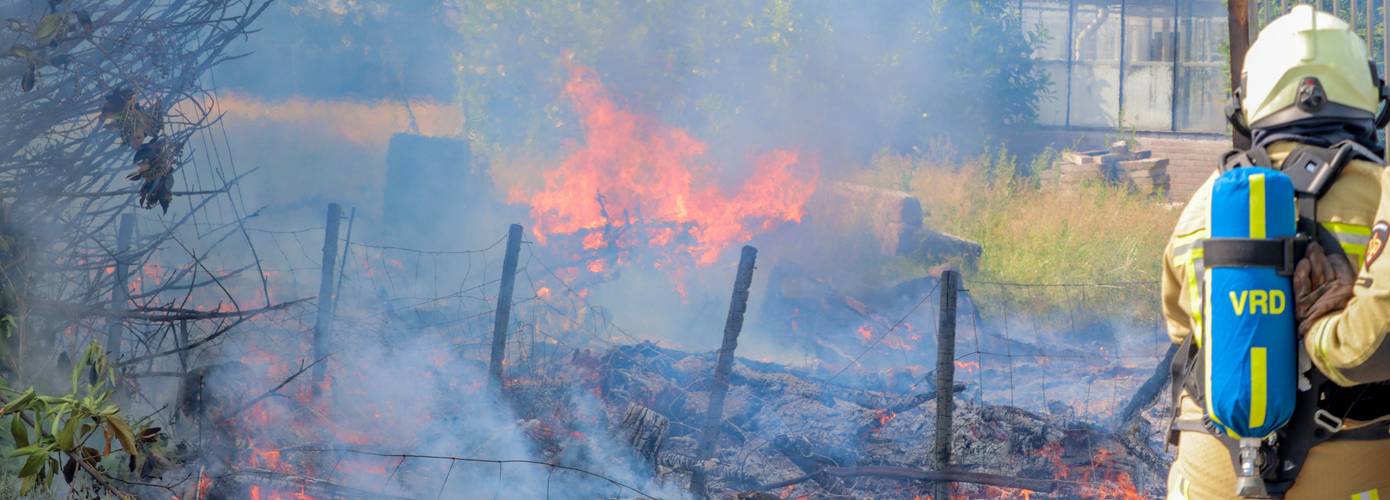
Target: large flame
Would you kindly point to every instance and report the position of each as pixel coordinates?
(629, 170)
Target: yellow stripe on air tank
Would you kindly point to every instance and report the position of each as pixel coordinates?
(1259, 357)
(1257, 206)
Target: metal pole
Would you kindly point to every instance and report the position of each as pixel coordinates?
(503, 317)
(1352, 15)
(1238, 29)
(733, 324)
(1177, 56)
(1124, 28)
(323, 324)
(1370, 28)
(945, 377)
(120, 295)
(1071, 48)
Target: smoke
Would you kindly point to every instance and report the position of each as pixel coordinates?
(639, 143)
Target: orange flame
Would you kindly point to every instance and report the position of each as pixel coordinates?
(629, 168)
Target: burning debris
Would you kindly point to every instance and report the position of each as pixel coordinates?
(633, 182)
(792, 434)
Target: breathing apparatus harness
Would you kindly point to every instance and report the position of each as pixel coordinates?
(1321, 407)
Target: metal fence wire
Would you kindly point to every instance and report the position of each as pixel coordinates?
(1043, 376)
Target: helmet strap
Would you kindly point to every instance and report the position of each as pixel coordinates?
(1383, 115)
(1235, 115)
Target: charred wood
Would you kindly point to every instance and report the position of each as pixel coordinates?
(645, 430)
(911, 474)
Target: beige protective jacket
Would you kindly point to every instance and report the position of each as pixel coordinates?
(1346, 346)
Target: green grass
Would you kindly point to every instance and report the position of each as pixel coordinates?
(1034, 234)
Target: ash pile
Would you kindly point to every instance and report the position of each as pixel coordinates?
(792, 434)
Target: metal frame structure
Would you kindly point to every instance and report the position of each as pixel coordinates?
(1157, 65)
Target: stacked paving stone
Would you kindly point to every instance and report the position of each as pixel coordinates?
(1117, 165)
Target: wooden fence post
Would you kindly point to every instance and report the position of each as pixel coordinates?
(120, 294)
(719, 388)
(323, 324)
(503, 316)
(945, 378)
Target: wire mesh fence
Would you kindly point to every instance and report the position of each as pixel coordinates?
(1067, 357)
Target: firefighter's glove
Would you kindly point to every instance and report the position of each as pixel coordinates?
(1321, 286)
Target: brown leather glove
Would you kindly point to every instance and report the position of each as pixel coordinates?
(1321, 286)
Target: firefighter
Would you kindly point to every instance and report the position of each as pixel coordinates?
(1311, 102)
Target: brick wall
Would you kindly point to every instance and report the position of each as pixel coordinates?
(1191, 157)
(1190, 160)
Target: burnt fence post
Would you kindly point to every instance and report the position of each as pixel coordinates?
(719, 388)
(120, 294)
(323, 323)
(502, 318)
(945, 378)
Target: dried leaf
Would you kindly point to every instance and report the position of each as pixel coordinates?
(69, 470)
(60, 60)
(90, 455)
(15, 25)
(50, 27)
(122, 432)
(85, 20)
(30, 78)
(135, 125)
(117, 102)
(149, 434)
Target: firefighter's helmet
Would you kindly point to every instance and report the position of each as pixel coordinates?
(1308, 64)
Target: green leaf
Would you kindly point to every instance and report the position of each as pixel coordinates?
(54, 400)
(57, 420)
(123, 434)
(19, 431)
(50, 27)
(21, 51)
(78, 366)
(32, 449)
(21, 402)
(33, 464)
(65, 435)
(26, 486)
